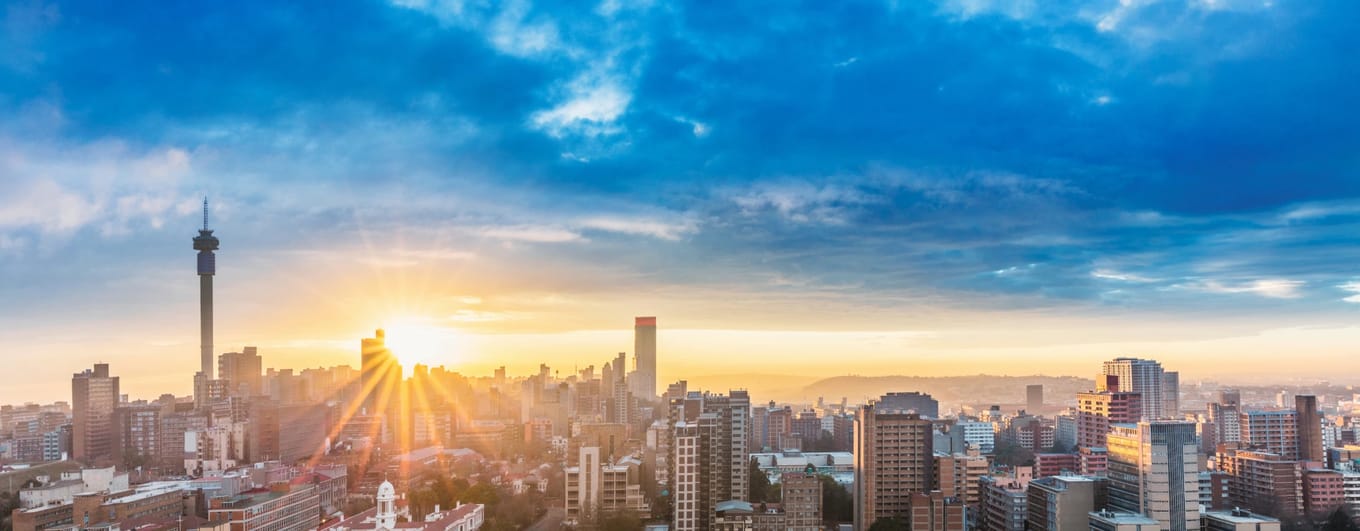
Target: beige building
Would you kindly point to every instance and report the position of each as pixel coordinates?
(596, 488)
(894, 459)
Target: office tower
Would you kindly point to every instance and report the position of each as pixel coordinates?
(1140, 376)
(1034, 398)
(957, 475)
(1004, 502)
(1263, 482)
(644, 358)
(894, 458)
(1154, 470)
(1272, 431)
(379, 374)
(137, 434)
(205, 243)
(709, 455)
(933, 511)
(801, 498)
(1096, 411)
(1171, 394)
(1309, 428)
(175, 424)
(913, 402)
(1106, 520)
(1224, 425)
(1063, 502)
(94, 395)
(243, 372)
(1239, 520)
(1230, 397)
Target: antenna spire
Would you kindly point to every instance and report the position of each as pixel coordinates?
(205, 212)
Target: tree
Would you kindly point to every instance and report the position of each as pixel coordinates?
(622, 521)
(481, 493)
(1340, 520)
(837, 504)
(890, 524)
(760, 483)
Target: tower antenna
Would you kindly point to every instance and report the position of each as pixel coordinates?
(205, 212)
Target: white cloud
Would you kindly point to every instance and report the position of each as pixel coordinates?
(802, 202)
(531, 234)
(1352, 287)
(592, 105)
(1109, 274)
(641, 226)
(1275, 288)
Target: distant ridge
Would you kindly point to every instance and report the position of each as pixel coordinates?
(951, 391)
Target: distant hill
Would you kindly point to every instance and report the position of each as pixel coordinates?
(951, 391)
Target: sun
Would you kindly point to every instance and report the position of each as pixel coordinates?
(414, 341)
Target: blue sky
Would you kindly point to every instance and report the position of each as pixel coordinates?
(985, 174)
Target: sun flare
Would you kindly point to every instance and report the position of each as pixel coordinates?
(413, 342)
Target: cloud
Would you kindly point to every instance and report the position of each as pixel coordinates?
(665, 230)
(1352, 287)
(531, 234)
(1275, 288)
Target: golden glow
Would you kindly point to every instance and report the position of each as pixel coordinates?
(415, 341)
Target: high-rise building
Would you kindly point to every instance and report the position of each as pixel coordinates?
(1171, 394)
(242, 371)
(1139, 376)
(933, 511)
(709, 456)
(1063, 502)
(1309, 428)
(1154, 470)
(137, 434)
(644, 358)
(894, 459)
(94, 395)
(1273, 431)
(912, 402)
(1034, 398)
(205, 243)
(1097, 410)
(1263, 482)
(1004, 502)
(801, 498)
(379, 374)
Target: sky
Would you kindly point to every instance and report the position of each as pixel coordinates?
(795, 188)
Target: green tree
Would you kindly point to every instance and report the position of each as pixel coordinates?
(760, 483)
(837, 504)
(1340, 520)
(482, 493)
(622, 521)
(890, 524)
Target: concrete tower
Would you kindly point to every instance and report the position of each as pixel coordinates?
(644, 353)
(205, 243)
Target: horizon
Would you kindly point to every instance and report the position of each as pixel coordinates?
(1021, 187)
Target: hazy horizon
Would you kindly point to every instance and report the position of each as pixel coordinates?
(930, 188)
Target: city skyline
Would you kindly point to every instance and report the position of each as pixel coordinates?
(1058, 185)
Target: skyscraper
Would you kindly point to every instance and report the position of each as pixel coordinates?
(1139, 376)
(1154, 470)
(1171, 394)
(644, 358)
(709, 456)
(894, 459)
(94, 395)
(379, 373)
(1096, 411)
(205, 243)
(1309, 428)
(1034, 398)
(243, 371)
